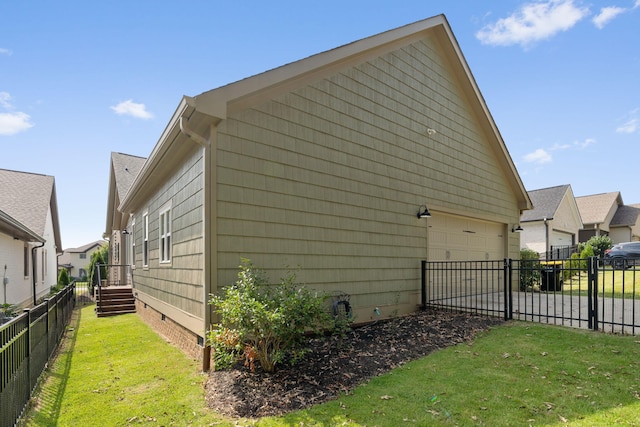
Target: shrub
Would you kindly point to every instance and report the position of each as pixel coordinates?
(63, 278)
(101, 256)
(599, 244)
(262, 322)
(529, 269)
(573, 265)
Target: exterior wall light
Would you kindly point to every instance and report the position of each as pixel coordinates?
(423, 212)
(516, 229)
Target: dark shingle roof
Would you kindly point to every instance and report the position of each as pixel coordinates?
(125, 169)
(545, 203)
(625, 216)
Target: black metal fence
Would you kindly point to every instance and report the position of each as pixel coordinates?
(27, 342)
(583, 293)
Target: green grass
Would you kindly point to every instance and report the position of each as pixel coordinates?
(611, 283)
(115, 371)
(121, 373)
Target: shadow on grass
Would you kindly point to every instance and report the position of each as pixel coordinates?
(47, 401)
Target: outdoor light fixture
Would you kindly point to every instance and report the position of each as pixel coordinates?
(125, 231)
(423, 212)
(516, 229)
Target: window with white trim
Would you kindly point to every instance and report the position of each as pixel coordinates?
(165, 233)
(132, 239)
(145, 239)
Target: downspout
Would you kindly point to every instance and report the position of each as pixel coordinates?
(34, 271)
(204, 143)
(546, 238)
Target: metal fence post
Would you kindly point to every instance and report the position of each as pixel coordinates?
(507, 282)
(592, 293)
(423, 283)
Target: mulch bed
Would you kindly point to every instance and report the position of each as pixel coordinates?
(335, 366)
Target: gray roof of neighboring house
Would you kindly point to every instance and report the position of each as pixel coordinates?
(626, 215)
(85, 248)
(125, 169)
(27, 198)
(65, 258)
(545, 203)
(595, 208)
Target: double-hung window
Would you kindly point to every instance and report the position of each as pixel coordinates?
(145, 239)
(165, 233)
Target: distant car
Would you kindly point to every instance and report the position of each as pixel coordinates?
(623, 255)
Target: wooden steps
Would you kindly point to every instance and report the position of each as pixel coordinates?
(111, 301)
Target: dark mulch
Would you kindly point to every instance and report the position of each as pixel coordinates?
(335, 366)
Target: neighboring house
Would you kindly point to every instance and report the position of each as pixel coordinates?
(122, 172)
(323, 165)
(553, 223)
(76, 260)
(624, 224)
(597, 212)
(29, 236)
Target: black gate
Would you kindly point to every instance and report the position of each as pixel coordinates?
(582, 293)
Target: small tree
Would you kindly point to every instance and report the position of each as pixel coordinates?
(529, 269)
(264, 322)
(99, 257)
(63, 278)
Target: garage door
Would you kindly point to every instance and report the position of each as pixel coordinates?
(456, 238)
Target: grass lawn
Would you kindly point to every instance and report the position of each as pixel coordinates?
(116, 372)
(611, 283)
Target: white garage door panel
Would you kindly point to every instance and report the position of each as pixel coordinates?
(558, 238)
(453, 238)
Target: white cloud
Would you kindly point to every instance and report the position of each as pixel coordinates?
(637, 4)
(630, 126)
(7, 52)
(584, 144)
(12, 122)
(632, 123)
(557, 147)
(579, 145)
(540, 156)
(133, 109)
(606, 15)
(533, 22)
(5, 99)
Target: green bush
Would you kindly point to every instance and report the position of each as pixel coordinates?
(99, 257)
(529, 269)
(573, 266)
(63, 278)
(599, 244)
(262, 322)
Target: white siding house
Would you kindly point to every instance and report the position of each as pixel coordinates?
(30, 239)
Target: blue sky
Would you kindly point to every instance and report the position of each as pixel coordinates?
(81, 79)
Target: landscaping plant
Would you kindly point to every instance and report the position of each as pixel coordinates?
(529, 269)
(99, 257)
(263, 322)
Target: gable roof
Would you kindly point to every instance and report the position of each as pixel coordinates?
(123, 171)
(545, 203)
(27, 197)
(194, 115)
(85, 248)
(625, 216)
(595, 209)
